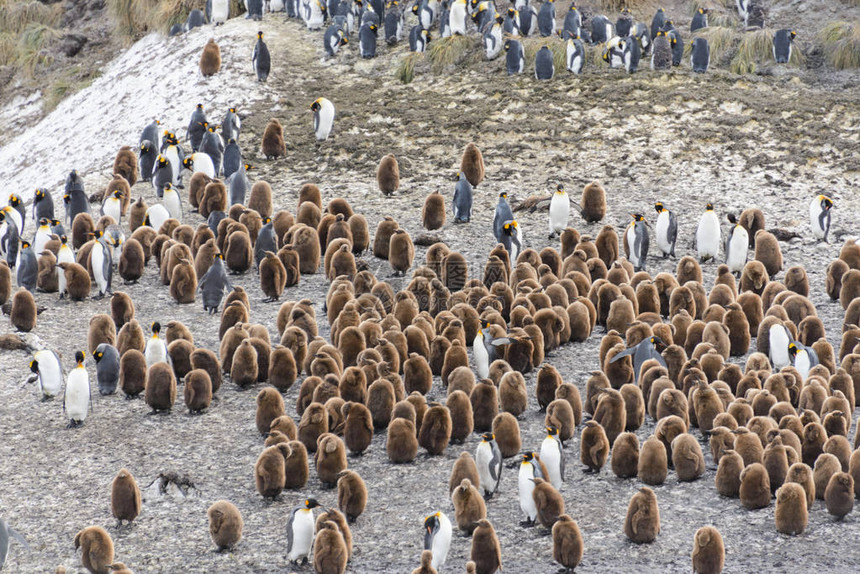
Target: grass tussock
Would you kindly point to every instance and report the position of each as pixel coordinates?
(712, 5)
(17, 15)
(755, 48)
(841, 44)
(72, 80)
(134, 18)
(721, 40)
(444, 52)
(27, 28)
(558, 48)
(32, 47)
(723, 20)
(618, 5)
(405, 71)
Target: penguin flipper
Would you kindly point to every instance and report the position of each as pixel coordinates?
(17, 536)
(561, 458)
(290, 530)
(624, 353)
(496, 464)
(501, 341)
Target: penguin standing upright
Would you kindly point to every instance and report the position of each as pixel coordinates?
(261, 59)
(194, 132)
(601, 30)
(528, 15)
(172, 202)
(503, 213)
(300, 531)
(572, 24)
(444, 19)
(575, 54)
(462, 203)
(546, 19)
(46, 364)
(737, 246)
(156, 348)
(367, 40)
(214, 284)
(457, 18)
(43, 235)
(493, 39)
(530, 469)
(27, 267)
(43, 205)
(708, 234)
(175, 156)
(102, 263)
(323, 111)
(488, 459)
(162, 174)
(255, 10)
(544, 65)
(238, 184)
(782, 45)
(802, 357)
(700, 55)
(231, 125)
(631, 53)
(661, 52)
(213, 145)
(147, 156)
(76, 401)
(779, 338)
(219, 11)
(644, 350)
(75, 199)
(552, 456)
(112, 206)
(512, 238)
(666, 231)
(107, 368)
(200, 162)
(515, 61)
(9, 235)
(636, 240)
(511, 22)
(624, 23)
(819, 216)
(64, 255)
(559, 207)
(150, 132)
(700, 20)
(437, 537)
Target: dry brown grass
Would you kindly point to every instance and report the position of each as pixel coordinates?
(531, 47)
(405, 71)
(16, 15)
(27, 28)
(841, 44)
(618, 5)
(444, 52)
(721, 41)
(134, 18)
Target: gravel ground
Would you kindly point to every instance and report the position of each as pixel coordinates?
(770, 141)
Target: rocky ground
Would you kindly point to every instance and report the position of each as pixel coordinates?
(771, 141)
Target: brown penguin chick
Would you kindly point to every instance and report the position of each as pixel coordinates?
(594, 446)
(826, 465)
(607, 245)
(426, 564)
(634, 404)
(728, 477)
(160, 391)
(5, 282)
(124, 497)
(791, 514)
(401, 444)
(132, 261)
(748, 445)
(513, 395)
(380, 402)
(593, 202)
(455, 356)
(775, 461)
(137, 214)
(225, 525)
(269, 470)
(485, 405)
(358, 427)
(273, 277)
(243, 364)
(433, 213)
(306, 243)
(611, 413)
(23, 313)
(802, 474)
(549, 502)
(260, 199)
(752, 219)
(486, 550)
(382, 238)
(417, 375)
(706, 404)
(642, 523)
(620, 372)
(330, 549)
(709, 552)
(198, 391)
(455, 270)
(435, 431)
(653, 462)
(625, 455)
(839, 494)
(342, 263)
(96, 549)
(330, 458)
(401, 252)
(388, 175)
(838, 446)
(754, 277)
(506, 430)
(360, 233)
(472, 164)
(196, 186)
(310, 192)
(285, 425)
(273, 145)
(469, 506)
(121, 308)
(207, 360)
(351, 494)
(296, 466)
(313, 424)
(687, 458)
(180, 352)
(270, 405)
(768, 252)
(559, 415)
(183, 282)
(755, 487)
(548, 381)
(238, 252)
(290, 259)
(132, 373)
(567, 545)
(210, 59)
(833, 283)
(82, 230)
(814, 437)
(462, 418)
(125, 165)
(215, 196)
(464, 468)
(120, 568)
(48, 279)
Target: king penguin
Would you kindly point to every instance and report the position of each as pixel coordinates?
(367, 40)
(512, 238)
(437, 537)
(27, 267)
(700, 19)
(782, 45)
(575, 54)
(46, 364)
(75, 199)
(64, 255)
(488, 459)
(219, 11)
(667, 230)
(172, 202)
(107, 368)
(214, 284)
(102, 263)
(323, 111)
(462, 203)
(737, 246)
(544, 66)
(636, 240)
(503, 214)
(261, 59)
(333, 39)
(779, 339)
(819, 216)
(43, 235)
(112, 206)
(162, 174)
(803, 358)
(559, 211)
(194, 132)
(700, 55)
(514, 59)
(77, 398)
(43, 205)
(552, 455)
(300, 531)
(644, 350)
(156, 348)
(708, 234)
(530, 469)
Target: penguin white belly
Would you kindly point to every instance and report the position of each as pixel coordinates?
(441, 542)
(526, 487)
(65, 255)
(303, 535)
(157, 214)
(802, 363)
(551, 458)
(482, 358)
(326, 120)
(814, 213)
(276, 5)
(779, 347)
(220, 11)
(202, 163)
(315, 19)
(708, 236)
(77, 399)
(736, 258)
(483, 458)
(457, 19)
(113, 207)
(662, 231)
(172, 154)
(50, 374)
(98, 260)
(173, 204)
(559, 212)
(155, 352)
(630, 239)
(40, 240)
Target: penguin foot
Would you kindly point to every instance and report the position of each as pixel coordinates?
(98, 297)
(488, 495)
(545, 532)
(527, 523)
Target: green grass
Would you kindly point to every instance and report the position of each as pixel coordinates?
(16, 15)
(27, 28)
(405, 71)
(721, 40)
(723, 20)
(756, 48)
(558, 48)
(71, 81)
(444, 52)
(134, 18)
(841, 44)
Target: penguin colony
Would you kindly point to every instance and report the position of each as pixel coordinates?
(777, 427)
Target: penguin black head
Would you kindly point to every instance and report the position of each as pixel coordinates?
(40, 194)
(637, 217)
(34, 366)
(559, 188)
(431, 523)
(658, 342)
(415, 8)
(792, 349)
(488, 436)
(187, 162)
(249, 167)
(79, 358)
(572, 7)
(551, 431)
(793, 35)
(260, 34)
(199, 106)
(14, 200)
(267, 220)
(373, 28)
(709, 207)
(661, 33)
(315, 107)
(826, 203)
(659, 207)
(703, 10)
(343, 39)
(311, 503)
(43, 222)
(24, 243)
(512, 11)
(98, 356)
(162, 161)
(219, 256)
(156, 328)
(64, 239)
(528, 456)
(233, 110)
(733, 219)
